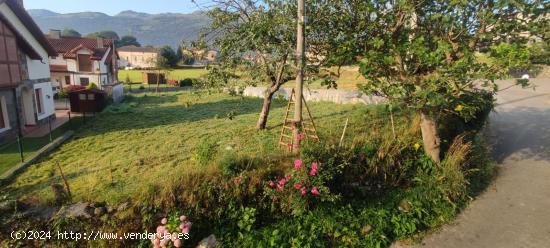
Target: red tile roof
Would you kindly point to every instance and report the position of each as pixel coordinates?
(68, 46)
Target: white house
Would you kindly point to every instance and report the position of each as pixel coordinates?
(81, 61)
(26, 97)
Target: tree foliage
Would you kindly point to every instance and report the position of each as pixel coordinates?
(68, 32)
(424, 54)
(106, 34)
(128, 40)
(167, 58)
(259, 38)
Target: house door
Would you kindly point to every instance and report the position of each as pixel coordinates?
(28, 107)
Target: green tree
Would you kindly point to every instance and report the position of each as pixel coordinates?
(106, 34)
(257, 37)
(422, 54)
(169, 58)
(127, 40)
(67, 32)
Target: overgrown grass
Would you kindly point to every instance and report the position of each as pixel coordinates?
(120, 156)
(177, 152)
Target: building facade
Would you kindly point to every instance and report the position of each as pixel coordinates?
(82, 61)
(26, 95)
(137, 57)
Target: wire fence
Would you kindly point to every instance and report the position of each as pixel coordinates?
(20, 149)
(146, 88)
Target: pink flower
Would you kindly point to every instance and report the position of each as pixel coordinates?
(288, 177)
(314, 166)
(177, 243)
(313, 172)
(174, 236)
(297, 186)
(315, 191)
(279, 187)
(163, 243)
(183, 218)
(297, 164)
(156, 243)
(304, 191)
(238, 180)
(271, 184)
(182, 226)
(289, 145)
(164, 221)
(282, 182)
(161, 229)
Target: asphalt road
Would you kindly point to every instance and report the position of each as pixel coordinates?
(514, 212)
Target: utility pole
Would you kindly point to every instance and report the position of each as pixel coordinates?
(300, 58)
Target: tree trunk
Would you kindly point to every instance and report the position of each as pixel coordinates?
(262, 121)
(430, 137)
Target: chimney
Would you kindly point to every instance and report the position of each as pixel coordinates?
(99, 42)
(55, 34)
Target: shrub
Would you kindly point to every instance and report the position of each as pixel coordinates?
(171, 231)
(205, 151)
(298, 190)
(72, 88)
(173, 82)
(92, 86)
(188, 82)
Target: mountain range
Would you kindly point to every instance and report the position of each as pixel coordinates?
(149, 29)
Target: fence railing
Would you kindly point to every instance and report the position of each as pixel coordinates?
(19, 150)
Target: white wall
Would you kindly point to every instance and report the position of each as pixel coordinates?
(47, 99)
(37, 69)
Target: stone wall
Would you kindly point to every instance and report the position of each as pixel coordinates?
(321, 95)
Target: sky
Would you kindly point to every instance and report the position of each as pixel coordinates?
(113, 7)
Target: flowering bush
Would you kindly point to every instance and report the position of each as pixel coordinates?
(72, 88)
(172, 230)
(173, 82)
(303, 187)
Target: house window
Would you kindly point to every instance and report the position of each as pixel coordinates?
(68, 80)
(82, 97)
(84, 63)
(4, 123)
(91, 97)
(84, 81)
(39, 102)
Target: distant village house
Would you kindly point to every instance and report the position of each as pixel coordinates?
(138, 57)
(81, 61)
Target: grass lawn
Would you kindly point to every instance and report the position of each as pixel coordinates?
(10, 152)
(178, 74)
(119, 156)
(168, 154)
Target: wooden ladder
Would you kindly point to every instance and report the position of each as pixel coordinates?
(286, 139)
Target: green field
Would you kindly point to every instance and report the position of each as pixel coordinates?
(119, 156)
(176, 74)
